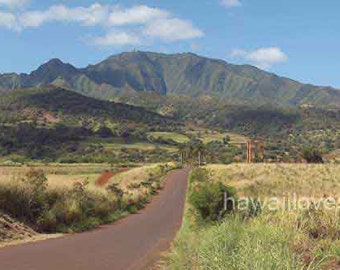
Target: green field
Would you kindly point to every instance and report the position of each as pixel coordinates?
(179, 138)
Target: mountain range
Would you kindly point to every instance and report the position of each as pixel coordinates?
(177, 74)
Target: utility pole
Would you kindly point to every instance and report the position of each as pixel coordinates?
(199, 158)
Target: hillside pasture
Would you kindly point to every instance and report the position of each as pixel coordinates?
(176, 137)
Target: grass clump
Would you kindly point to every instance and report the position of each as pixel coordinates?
(233, 244)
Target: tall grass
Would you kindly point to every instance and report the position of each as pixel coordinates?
(78, 206)
(276, 179)
(301, 239)
(233, 244)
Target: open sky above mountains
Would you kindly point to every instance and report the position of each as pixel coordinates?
(297, 39)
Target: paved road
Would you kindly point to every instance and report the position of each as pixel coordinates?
(135, 242)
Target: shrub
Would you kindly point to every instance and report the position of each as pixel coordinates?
(312, 155)
(199, 175)
(37, 179)
(254, 208)
(212, 200)
(77, 208)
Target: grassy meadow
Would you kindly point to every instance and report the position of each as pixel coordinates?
(176, 137)
(263, 238)
(58, 175)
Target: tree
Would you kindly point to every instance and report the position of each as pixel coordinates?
(312, 155)
(104, 132)
(197, 149)
(226, 140)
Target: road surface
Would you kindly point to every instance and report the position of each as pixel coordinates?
(135, 242)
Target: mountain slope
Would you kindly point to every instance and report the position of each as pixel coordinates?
(180, 74)
(71, 107)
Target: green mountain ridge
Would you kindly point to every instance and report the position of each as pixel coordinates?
(72, 107)
(178, 74)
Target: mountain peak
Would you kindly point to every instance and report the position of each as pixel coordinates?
(180, 74)
(54, 62)
(53, 69)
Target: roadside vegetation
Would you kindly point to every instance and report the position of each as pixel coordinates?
(258, 237)
(38, 200)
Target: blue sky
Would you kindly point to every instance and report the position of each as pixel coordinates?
(297, 39)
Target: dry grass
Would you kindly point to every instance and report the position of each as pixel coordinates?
(334, 156)
(275, 179)
(64, 176)
(59, 176)
(314, 233)
(63, 205)
(131, 181)
(134, 176)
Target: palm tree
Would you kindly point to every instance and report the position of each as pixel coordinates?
(197, 148)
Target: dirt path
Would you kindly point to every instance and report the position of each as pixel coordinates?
(104, 178)
(135, 242)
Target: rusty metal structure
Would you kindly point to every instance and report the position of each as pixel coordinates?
(255, 150)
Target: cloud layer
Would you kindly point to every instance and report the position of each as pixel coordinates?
(13, 4)
(230, 3)
(263, 58)
(123, 26)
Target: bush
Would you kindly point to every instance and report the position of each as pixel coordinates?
(312, 155)
(212, 200)
(199, 175)
(27, 200)
(75, 209)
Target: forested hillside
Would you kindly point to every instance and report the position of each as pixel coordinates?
(56, 124)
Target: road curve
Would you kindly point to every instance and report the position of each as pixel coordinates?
(135, 242)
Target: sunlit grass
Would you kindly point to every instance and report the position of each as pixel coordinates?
(281, 239)
(276, 179)
(180, 138)
(72, 201)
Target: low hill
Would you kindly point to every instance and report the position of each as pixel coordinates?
(181, 74)
(54, 124)
(57, 105)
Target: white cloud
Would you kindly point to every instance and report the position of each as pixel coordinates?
(230, 3)
(92, 15)
(116, 39)
(172, 29)
(8, 20)
(13, 4)
(123, 26)
(136, 15)
(263, 58)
